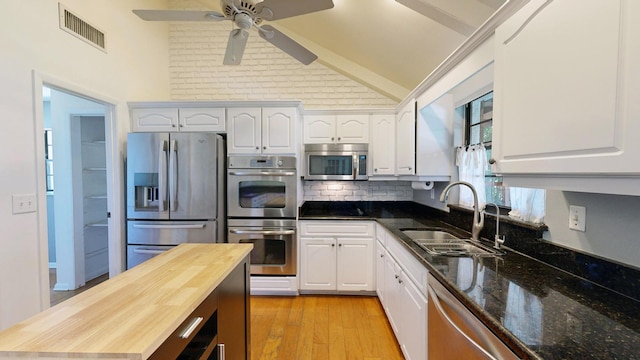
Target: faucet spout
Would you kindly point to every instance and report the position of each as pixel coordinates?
(498, 240)
(478, 216)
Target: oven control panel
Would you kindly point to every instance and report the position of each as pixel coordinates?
(262, 162)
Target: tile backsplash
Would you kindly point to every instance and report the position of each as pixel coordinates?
(357, 191)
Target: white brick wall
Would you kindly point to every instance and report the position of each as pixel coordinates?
(196, 51)
(357, 191)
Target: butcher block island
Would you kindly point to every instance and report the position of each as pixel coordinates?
(191, 302)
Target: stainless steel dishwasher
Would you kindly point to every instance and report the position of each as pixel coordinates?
(455, 333)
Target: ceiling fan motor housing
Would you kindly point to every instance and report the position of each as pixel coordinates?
(242, 12)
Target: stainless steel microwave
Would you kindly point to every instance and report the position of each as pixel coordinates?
(335, 161)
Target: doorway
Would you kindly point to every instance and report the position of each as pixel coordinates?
(76, 143)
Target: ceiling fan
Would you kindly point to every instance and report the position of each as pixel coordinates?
(246, 14)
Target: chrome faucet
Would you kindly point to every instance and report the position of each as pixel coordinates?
(498, 240)
(478, 216)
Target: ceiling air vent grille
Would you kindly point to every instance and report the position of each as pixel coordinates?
(81, 29)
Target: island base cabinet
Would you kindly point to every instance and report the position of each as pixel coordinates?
(219, 328)
(233, 315)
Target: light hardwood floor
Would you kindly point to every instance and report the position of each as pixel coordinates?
(321, 327)
(57, 297)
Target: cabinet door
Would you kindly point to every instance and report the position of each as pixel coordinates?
(564, 89)
(202, 119)
(413, 326)
(278, 130)
(355, 264)
(154, 120)
(434, 133)
(383, 144)
(381, 254)
(392, 306)
(233, 313)
(352, 129)
(406, 140)
(319, 129)
(318, 264)
(244, 131)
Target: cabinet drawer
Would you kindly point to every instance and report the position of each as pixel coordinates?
(346, 228)
(416, 271)
(196, 336)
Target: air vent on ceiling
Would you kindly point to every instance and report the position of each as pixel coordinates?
(81, 29)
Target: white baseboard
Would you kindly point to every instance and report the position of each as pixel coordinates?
(274, 285)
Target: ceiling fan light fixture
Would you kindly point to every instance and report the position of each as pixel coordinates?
(243, 21)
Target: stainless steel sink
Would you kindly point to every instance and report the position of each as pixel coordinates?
(438, 242)
(435, 235)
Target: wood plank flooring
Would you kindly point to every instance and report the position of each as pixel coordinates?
(56, 297)
(321, 327)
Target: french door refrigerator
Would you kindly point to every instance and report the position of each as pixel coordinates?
(175, 192)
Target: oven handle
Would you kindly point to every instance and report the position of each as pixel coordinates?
(262, 232)
(165, 226)
(150, 251)
(262, 173)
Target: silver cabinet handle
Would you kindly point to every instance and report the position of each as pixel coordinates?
(186, 332)
(221, 352)
(262, 232)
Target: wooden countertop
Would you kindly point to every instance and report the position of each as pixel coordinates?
(130, 315)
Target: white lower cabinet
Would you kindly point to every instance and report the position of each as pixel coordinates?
(404, 301)
(337, 255)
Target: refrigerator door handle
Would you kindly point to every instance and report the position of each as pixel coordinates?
(149, 251)
(163, 226)
(162, 179)
(173, 175)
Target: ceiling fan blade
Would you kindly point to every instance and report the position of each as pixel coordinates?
(179, 15)
(235, 46)
(287, 44)
(281, 9)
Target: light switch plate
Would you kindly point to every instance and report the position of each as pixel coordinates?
(24, 203)
(577, 218)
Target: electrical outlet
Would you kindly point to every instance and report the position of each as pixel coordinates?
(577, 218)
(24, 203)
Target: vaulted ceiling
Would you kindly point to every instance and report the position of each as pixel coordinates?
(388, 45)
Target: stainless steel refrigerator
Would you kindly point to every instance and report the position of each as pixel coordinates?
(175, 192)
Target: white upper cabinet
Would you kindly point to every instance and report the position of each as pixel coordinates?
(261, 130)
(202, 119)
(434, 145)
(278, 130)
(567, 91)
(154, 119)
(383, 145)
(406, 140)
(327, 129)
(178, 119)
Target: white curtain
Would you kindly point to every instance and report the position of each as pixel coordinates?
(527, 204)
(472, 163)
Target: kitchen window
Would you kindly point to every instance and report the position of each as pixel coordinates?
(48, 157)
(526, 205)
(478, 115)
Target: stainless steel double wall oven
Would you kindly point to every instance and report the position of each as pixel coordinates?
(261, 209)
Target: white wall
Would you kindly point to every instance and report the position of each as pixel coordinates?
(612, 226)
(31, 40)
(265, 73)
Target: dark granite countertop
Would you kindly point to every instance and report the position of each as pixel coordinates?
(539, 311)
